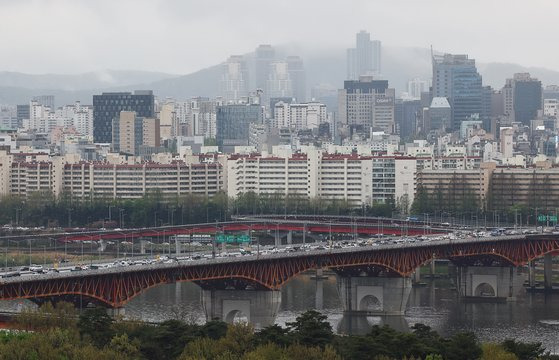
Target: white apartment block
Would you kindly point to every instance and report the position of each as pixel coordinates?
(299, 116)
(335, 177)
(360, 180)
(107, 180)
(44, 119)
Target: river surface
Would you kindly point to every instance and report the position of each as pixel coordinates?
(533, 317)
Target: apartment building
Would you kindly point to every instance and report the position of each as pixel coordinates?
(456, 184)
(83, 179)
(360, 180)
(532, 187)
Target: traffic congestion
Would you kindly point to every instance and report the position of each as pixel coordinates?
(205, 251)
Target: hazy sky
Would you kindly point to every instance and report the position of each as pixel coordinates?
(181, 36)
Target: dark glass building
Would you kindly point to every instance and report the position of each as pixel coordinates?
(456, 78)
(405, 116)
(108, 106)
(527, 100)
(233, 124)
(22, 113)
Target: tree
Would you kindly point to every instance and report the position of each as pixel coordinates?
(273, 334)
(462, 346)
(122, 345)
(311, 328)
(496, 352)
(96, 325)
(524, 351)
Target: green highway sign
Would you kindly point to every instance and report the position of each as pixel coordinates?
(542, 218)
(232, 239)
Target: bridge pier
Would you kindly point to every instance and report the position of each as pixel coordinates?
(115, 312)
(531, 274)
(102, 245)
(548, 272)
(143, 244)
(374, 295)
(177, 245)
(289, 237)
(490, 282)
(258, 307)
(416, 276)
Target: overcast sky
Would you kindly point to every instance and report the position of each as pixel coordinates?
(181, 36)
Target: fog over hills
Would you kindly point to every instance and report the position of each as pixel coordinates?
(399, 64)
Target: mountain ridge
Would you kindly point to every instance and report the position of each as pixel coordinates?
(400, 64)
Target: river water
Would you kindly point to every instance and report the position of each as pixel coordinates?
(533, 317)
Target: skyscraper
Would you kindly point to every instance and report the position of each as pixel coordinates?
(131, 133)
(367, 103)
(45, 100)
(365, 58)
(522, 98)
(527, 97)
(264, 56)
(108, 106)
(279, 81)
(296, 71)
(456, 78)
(234, 79)
(233, 124)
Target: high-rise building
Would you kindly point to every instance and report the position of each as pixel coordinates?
(406, 113)
(234, 79)
(440, 114)
(45, 100)
(416, 86)
(455, 77)
(299, 116)
(367, 103)
(108, 106)
(22, 113)
(131, 133)
(279, 82)
(365, 58)
(527, 98)
(523, 97)
(264, 56)
(297, 75)
(8, 117)
(168, 120)
(233, 124)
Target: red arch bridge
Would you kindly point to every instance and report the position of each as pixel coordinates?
(114, 287)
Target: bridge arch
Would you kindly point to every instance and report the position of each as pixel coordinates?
(485, 290)
(371, 302)
(235, 316)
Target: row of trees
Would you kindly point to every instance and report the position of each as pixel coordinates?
(44, 209)
(58, 333)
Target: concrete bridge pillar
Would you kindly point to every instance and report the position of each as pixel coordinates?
(531, 274)
(116, 312)
(289, 237)
(102, 246)
(490, 282)
(258, 307)
(177, 245)
(277, 238)
(548, 271)
(374, 295)
(416, 276)
(319, 297)
(143, 244)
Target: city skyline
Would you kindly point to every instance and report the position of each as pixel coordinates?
(91, 45)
